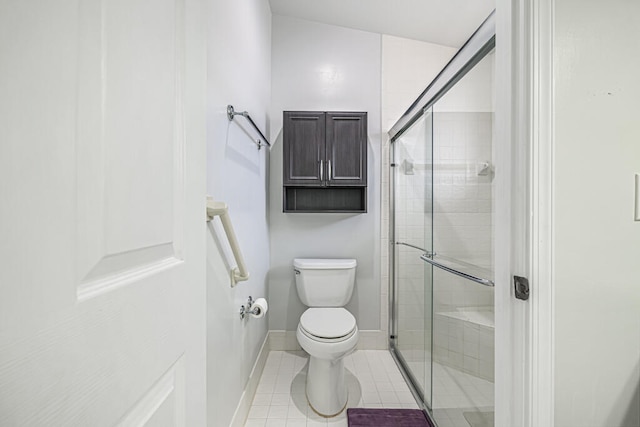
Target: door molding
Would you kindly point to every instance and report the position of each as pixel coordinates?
(524, 126)
(542, 230)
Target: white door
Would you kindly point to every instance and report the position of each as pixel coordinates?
(102, 213)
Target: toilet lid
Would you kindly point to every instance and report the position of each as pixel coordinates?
(328, 322)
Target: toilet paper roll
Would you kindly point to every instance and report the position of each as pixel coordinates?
(259, 308)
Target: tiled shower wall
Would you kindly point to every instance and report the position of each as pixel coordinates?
(462, 202)
(463, 230)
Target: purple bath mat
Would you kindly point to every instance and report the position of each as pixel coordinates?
(365, 417)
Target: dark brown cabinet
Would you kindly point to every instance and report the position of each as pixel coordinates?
(324, 161)
(346, 149)
(303, 136)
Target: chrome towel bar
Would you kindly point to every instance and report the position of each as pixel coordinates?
(416, 247)
(480, 280)
(231, 113)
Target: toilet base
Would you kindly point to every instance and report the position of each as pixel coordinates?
(326, 416)
(326, 388)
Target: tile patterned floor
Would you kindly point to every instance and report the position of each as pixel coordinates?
(373, 379)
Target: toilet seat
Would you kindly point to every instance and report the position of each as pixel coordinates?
(328, 324)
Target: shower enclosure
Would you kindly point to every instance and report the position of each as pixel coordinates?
(442, 234)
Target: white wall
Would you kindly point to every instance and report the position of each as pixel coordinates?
(239, 66)
(325, 68)
(408, 66)
(597, 242)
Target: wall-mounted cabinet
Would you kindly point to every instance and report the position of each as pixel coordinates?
(325, 161)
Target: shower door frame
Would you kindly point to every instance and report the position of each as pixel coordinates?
(393, 327)
(472, 52)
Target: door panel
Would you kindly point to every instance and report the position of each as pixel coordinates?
(163, 404)
(304, 148)
(142, 99)
(102, 130)
(130, 141)
(347, 149)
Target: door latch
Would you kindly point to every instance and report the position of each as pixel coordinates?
(521, 286)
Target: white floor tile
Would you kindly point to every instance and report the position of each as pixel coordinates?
(278, 411)
(281, 388)
(262, 399)
(392, 406)
(280, 399)
(384, 386)
(337, 422)
(405, 397)
(295, 412)
(413, 405)
(388, 397)
(265, 387)
(258, 411)
(373, 379)
(371, 397)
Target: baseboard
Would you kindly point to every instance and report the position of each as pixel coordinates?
(373, 340)
(287, 341)
(242, 410)
(283, 341)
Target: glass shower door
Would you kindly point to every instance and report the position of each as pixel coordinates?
(412, 237)
(443, 334)
(463, 295)
(442, 216)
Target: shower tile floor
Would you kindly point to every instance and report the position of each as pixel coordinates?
(460, 399)
(373, 379)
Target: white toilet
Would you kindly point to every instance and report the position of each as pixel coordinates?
(327, 331)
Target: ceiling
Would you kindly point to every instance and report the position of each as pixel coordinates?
(444, 22)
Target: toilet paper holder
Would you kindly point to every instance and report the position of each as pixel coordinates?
(249, 309)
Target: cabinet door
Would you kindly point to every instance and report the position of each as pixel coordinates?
(346, 149)
(304, 148)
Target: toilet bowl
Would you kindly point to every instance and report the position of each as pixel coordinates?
(326, 331)
(328, 335)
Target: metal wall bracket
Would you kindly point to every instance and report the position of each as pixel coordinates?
(249, 308)
(231, 113)
(521, 286)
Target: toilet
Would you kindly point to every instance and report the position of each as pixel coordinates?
(327, 331)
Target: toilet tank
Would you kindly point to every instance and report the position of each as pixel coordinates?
(324, 282)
